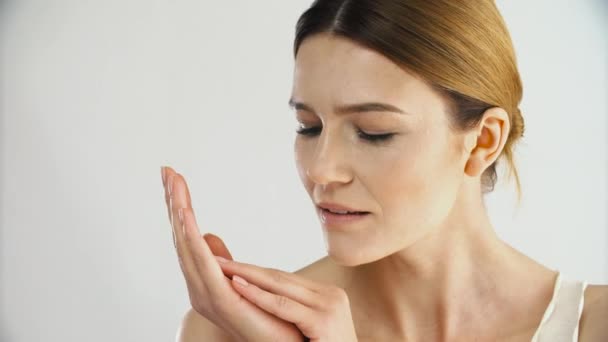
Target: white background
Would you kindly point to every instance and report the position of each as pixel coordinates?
(96, 95)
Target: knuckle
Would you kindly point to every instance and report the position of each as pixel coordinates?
(281, 302)
(278, 276)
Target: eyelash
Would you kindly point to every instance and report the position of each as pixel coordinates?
(372, 138)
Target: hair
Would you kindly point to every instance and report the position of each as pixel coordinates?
(462, 48)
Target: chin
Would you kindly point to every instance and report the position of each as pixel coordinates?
(345, 251)
(346, 262)
(350, 256)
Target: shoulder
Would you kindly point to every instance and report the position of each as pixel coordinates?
(195, 327)
(593, 318)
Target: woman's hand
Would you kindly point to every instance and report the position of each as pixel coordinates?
(274, 306)
(211, 293)
(321, 312)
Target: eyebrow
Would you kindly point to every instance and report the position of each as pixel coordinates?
(351, 108)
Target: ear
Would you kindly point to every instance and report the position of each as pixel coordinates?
(486, 141)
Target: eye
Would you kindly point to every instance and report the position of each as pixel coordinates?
(375, 137)
(308, 131)
(372, 138)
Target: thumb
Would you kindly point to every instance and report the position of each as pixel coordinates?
(217, 246)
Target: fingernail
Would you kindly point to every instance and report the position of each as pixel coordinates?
(240, 280)
(220, 259)
(162, 174)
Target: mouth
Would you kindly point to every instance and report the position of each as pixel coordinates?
(341, 219)
(339, 208)
(343, 212)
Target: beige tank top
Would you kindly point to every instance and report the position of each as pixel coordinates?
(560, 321)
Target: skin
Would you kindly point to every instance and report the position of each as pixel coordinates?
(425, 264)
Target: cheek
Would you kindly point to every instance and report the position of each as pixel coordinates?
(408, 179)
(404, 186)
(418, 185)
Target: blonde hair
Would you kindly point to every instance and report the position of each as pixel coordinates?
(461, 47)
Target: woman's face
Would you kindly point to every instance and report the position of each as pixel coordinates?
(408, 183)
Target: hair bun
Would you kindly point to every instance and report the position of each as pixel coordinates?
(517, 126)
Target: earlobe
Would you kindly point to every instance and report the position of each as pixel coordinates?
(473, 167)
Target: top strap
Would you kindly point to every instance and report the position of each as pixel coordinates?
(561, 319)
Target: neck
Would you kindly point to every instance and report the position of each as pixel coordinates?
(452, 282)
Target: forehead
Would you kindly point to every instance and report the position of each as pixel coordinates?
(339, 70)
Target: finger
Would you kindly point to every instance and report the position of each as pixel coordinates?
(176, 201)
(166, 172)
(215, 243)
(169, 207)
(217, 246)
(187, 199)
(281, 306)
(250, 270)
(253, 320)
(202, 257)
(205, 256)
(278, 282)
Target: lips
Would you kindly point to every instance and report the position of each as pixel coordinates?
(344, 212)
(332, 221)
(337, 208)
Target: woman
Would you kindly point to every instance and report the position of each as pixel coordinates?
(405, 108)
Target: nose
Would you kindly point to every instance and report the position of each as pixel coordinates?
(328, 163)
